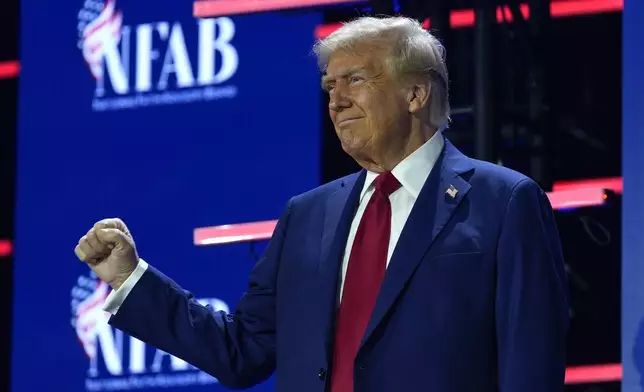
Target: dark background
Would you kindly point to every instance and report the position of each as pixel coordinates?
(9, 19)
(584, 141)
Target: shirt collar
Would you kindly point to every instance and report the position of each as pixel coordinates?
(412, 172)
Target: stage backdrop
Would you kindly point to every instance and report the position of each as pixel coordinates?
(633, 207)
(136, 110)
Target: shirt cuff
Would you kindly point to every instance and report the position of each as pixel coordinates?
(116, 298)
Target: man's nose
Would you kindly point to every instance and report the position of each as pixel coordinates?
(338, 100)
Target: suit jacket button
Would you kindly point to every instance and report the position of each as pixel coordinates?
(322, 374)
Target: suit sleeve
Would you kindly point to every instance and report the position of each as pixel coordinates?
(116, 297)
(238, 349)
(532, 295)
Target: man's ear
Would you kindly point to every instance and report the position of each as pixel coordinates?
(418, 97)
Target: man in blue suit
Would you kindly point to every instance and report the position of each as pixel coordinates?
(425, 271)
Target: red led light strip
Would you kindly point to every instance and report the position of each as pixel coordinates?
(594, 374)
(213, 8)
(6, 248)
(576, 198)
(228, 234)
(9, 69)
(558, 9)
(615, 184)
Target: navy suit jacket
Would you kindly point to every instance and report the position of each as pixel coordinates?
(474, 298)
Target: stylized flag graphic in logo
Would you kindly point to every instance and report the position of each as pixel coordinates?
(101, 33)
(90, 317)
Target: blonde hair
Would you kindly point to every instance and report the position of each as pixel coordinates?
(414, 52)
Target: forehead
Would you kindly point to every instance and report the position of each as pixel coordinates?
(361, 57)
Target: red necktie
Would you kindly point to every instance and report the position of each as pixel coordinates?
(366, 270)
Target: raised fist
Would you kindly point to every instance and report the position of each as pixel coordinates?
(109, 250)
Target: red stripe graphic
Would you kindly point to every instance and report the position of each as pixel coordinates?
(9, 69)
(558, 9)
(6, 248)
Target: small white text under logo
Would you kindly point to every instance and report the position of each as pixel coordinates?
(209, 93)
(149, 381)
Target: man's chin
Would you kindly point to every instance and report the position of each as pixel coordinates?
(350, 148)
(356, 152)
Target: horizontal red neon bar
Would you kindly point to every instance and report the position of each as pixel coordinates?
(258, 231)
(9, 69)
(558, 9)
(576, 198)
(6, 248)
(212, 8)
(615, 184)
(594, 374)
(228, 234)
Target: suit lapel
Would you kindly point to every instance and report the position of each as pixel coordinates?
(442, 193)
(340, 210)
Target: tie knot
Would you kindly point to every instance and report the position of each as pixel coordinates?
(387, 183)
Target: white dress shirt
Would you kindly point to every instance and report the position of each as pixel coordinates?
(412, 173)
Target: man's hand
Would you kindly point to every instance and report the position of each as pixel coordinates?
(108, 249)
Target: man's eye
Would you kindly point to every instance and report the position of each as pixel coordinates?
(355, 79)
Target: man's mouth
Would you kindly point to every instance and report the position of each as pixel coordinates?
(348, 120)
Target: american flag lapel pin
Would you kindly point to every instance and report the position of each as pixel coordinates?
(451, 191)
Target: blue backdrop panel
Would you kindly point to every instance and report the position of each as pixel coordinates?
(137, 110)
(633, 204)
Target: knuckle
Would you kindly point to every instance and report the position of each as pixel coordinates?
(84, 253)
(110, 223)
(80, 254)
(102, 223)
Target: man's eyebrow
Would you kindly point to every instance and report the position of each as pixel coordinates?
(325, 81)
(351, 71)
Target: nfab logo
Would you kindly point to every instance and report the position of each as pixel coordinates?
(120, 362)
(155, 63)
